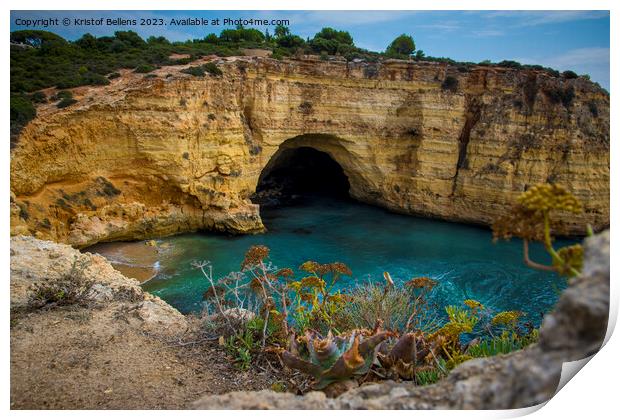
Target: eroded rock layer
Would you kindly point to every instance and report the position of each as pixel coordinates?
(147, 157)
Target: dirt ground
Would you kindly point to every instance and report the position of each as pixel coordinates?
(120, 348)
(79, 358)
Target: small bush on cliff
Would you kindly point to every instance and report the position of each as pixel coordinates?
(66, 102)
(593, 108)
(200, 71)
(450, 84)
(197, 71)
(38, 97)
(63, 94)
(569, 74)
(73, 288)
(212, 69)
(144, 68)
(558, 94)
(22, 111)
(510, 64)
(105, 188)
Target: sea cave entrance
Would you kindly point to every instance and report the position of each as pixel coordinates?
(294, 174)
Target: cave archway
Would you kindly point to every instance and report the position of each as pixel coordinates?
(296, 173)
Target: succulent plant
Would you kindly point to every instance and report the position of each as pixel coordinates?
(333, 358)
(409, 353)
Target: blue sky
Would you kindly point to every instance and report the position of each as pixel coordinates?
(576, 40)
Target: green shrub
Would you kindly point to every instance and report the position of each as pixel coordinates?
(200, 71)
(569, 74)
(317, 328)
(278, 54)
(593, 108)
(182, 61)
(94, 79)
(450, 83)
(503, 344)
(510, 64)
(144, 68)
(70, 289)
(212, 69)
(63, 94)
(197, 71)
(38, 97)
(66, 102)
(558, 94)
(105, 188)
(22, 110)
(114, 75)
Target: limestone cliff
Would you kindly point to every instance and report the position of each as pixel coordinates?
(154, 156)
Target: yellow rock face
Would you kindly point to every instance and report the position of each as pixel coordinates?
(147, 157)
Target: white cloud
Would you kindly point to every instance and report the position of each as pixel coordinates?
(593, 61)
(361, 17)
(483, 33)
(336, 17)
(446, 26)
(535, 18)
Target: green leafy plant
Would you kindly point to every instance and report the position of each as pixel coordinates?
(507, 342)
(428, 376)
(240, 347)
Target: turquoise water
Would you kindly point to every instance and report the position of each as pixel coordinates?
(462, 258)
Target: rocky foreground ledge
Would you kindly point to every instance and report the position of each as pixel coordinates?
(573, 331)
(122, 348)
(36, 261)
